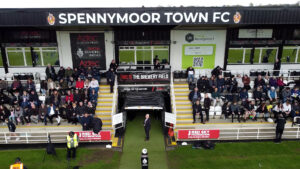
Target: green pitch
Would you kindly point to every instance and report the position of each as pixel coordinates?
(87, 158)
(260, 155)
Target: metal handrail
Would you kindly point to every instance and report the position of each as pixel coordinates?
(174, 110)
(114, 106)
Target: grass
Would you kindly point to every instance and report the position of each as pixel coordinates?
(262, 155)
(87, 158)
(134, 143)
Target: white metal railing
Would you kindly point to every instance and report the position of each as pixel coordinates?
(36, 137)
(115, 100)
(174, 110)
(252, 133)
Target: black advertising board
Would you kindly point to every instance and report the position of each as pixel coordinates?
(136, 77)
(88, 49)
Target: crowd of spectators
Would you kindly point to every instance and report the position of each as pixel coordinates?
(69, 94)
(270, 96)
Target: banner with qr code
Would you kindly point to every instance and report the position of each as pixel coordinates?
(200, 56)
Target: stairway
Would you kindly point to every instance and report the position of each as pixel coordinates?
(184, 117)
(104, 106)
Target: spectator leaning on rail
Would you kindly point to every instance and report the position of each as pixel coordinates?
(72, 144)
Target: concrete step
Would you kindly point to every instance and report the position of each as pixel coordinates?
(105, 95)
(181, 89)
(184, 111)
(104, 87)
(186, 125)
(106, 122)
(105, 99)
(104, 108)
(181, 97)
(183, 106)
(184, 85)
(103, 112)
(183, 102)
(184, 115)
(184, 121)
(104, 117)
(104, 104)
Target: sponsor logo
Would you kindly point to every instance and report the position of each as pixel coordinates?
(51, 19)
(237, 17)
(189, 37)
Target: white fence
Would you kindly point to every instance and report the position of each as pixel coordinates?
(35, 137)
(254, 133)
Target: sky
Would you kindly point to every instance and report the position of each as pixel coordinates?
(133, 3)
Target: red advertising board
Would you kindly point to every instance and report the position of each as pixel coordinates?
(91, 136)
(198, 134)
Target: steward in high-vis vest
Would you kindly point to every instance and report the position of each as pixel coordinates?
(72, 144)
(18, 164)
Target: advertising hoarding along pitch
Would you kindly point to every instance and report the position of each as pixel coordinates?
(198, 134)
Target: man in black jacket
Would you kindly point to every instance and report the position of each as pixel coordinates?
(110, 75)
(194, 95)
(197, 108)
(279, 128)
(50, 72)
(277, 66)
(147, 126)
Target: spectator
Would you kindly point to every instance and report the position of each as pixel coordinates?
(157, 65)
(207, 104)
(86, 84)
(86, 122)
(55, 98)
(51, 113)
(94, 85)
(212, 84)
(16, 86)
(280, 83)
(29, 85)
(34, 114)
(72, 114)
(4, 99)
(220, 83)
(272, 95)
(61, 73)
(249, 110)
(110, 75)
(216, 97)
(216, 71)
(258, 95)
(287, 108)
(259, 82)
(4, 113)
(79, 84)
(295, 110)
(77, 96)
(12, 115)
(80, 110)
(24, 102)
(276, 68)
(191, 74)
(262, 109)
(197, 109)
(91, 108)
(240, 84)
(71, 84)
(89, 72)
(201, 84)
(51, 85)
(34, 98)
(278, 109)
(68, 73)
(44, 87)
(246, 81)
(244, 95)
(93, 97)
(113, 65)
(226, 109)
(19, 115)
(155, 59)
(42, 113)
(194, 95)
(3, 85)
(273, 82)
(279, 127)
(63, 86)
(295, 94)
(233, 88)
(69, 96)
(235, 110)
(50, 72)
(286, 94)
(76, 73)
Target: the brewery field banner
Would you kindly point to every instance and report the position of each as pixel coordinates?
(135, 77)
(88, 49)
(90, 136)
(198, 134)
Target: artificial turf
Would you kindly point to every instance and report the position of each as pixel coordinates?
(134, 143)
(86, 158)
(250, 155)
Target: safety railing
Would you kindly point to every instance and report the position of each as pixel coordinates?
(37, 137)
(114, 101)
(174, 110)
(261, 133)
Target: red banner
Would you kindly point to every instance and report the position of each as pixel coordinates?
(91, 136)
(198, 134)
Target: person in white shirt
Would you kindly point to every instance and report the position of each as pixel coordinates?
(239, 81)
(94, 84)
(287, 108)
(191, 74)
